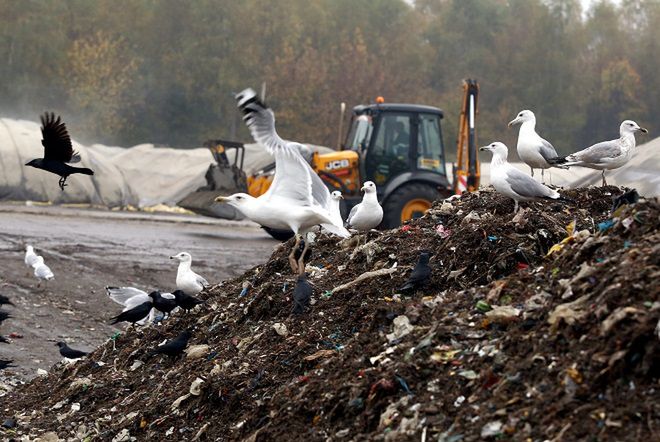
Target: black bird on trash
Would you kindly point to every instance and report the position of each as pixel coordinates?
(165, 305)
(135, 314)
(420, 273)
(58, 150)
(301, 295)
(4, 340)
(5, 300)
(69, 352)
(184, 301)
(173, 347)
(4, 363)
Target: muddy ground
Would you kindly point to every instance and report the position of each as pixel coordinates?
(90, 249)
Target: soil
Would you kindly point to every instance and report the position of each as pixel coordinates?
(527, 330)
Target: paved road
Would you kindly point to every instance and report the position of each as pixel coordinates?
(90, 249)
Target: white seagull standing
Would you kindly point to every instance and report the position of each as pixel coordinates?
(30, 256)
(532, 149)
(297, 199)
(188, 281)
(368, 214)
(335, 209)
(607, 154)
(42, 271)
(513, 183)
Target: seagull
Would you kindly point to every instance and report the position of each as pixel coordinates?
(187, 280)
(420, 274)
(69, 352)
(173, 347)
(335, 207)
(42, 271)
(184, 301)
(134, 314)
(297, 199)
(30, 256)
(58, 150)
(165, 305)
(532, 149)
(607, 154)
(513, 183)
(130, 297)
(301, 295)
(368, 214)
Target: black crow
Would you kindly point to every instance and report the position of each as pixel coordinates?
(69, 352)
(420, 273)
(630, 197)
(4, 340)
(301, 294)
(57, 150)
(165, 305)
(135, 314)
(173, 347)
(4, 300)
(5, 364)
(184, 301)
(4, 316)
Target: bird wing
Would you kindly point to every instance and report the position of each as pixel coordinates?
(135, 301)
(527, 186)
(598, 153)
(121, 295)
(547, 150)
(352, 213)
(56, 140)
(43, 271)
(200, 279)
(294, 178)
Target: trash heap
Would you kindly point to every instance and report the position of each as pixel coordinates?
(542, 325)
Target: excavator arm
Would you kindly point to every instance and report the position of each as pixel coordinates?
(466, 170)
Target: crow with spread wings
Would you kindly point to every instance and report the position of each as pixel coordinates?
(58, 150)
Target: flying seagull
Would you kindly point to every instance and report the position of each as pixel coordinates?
(173, 347)
(368, 214)
(190, 282)
(532, 149)
(58, 150)
(420, 274)
(607, 154)
(297, 199)
(69, 352)
(511, 182)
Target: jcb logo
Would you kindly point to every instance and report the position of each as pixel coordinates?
(337, 164)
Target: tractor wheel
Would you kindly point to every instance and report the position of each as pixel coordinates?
(407, 202)
(280, 235)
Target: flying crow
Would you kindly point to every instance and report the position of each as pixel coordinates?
(173, 347)
(57, 150)
(420, 273)
(135, 314)
(69, 352)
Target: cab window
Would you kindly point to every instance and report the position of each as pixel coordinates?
(359, 135)
(429, 143)
(389, 153)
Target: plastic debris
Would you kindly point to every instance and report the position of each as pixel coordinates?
(280, 329)
(196, 351)
(503, 314)
(491, 429)
(196, 386)
(605, 225)
(442, 231)
(401, 327)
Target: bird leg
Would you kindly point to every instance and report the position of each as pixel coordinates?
(543, 176)
(532, 169)
(604, 182)
(62, 182)
(292, 257)
(515, 206)
(301, 260)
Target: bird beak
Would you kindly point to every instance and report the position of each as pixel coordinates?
(363, 188)
(171, 257)
(486, 147)
(341, 197)
(221, 199)
(641, 129)
(512, 122)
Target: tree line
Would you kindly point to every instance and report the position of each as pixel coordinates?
(124, 72)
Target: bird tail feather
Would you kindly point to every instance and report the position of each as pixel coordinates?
(557, 161)
(84, 170)
(336, 230)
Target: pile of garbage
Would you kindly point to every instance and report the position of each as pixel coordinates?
(540, 325)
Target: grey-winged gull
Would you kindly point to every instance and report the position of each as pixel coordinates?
(335, 207)
(131, 297)
(297, 199)
(513, 183)
(186, 280)
(30, 256)
(532, 149)
(41, 271)
(607, 154)
(367, 214)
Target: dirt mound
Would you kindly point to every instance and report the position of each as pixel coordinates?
(538, 326)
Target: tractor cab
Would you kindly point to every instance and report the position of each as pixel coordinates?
(400, 148)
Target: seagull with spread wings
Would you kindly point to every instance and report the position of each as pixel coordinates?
(58, 150)
(297, 199)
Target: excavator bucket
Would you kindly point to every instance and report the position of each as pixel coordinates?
(223, 178)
